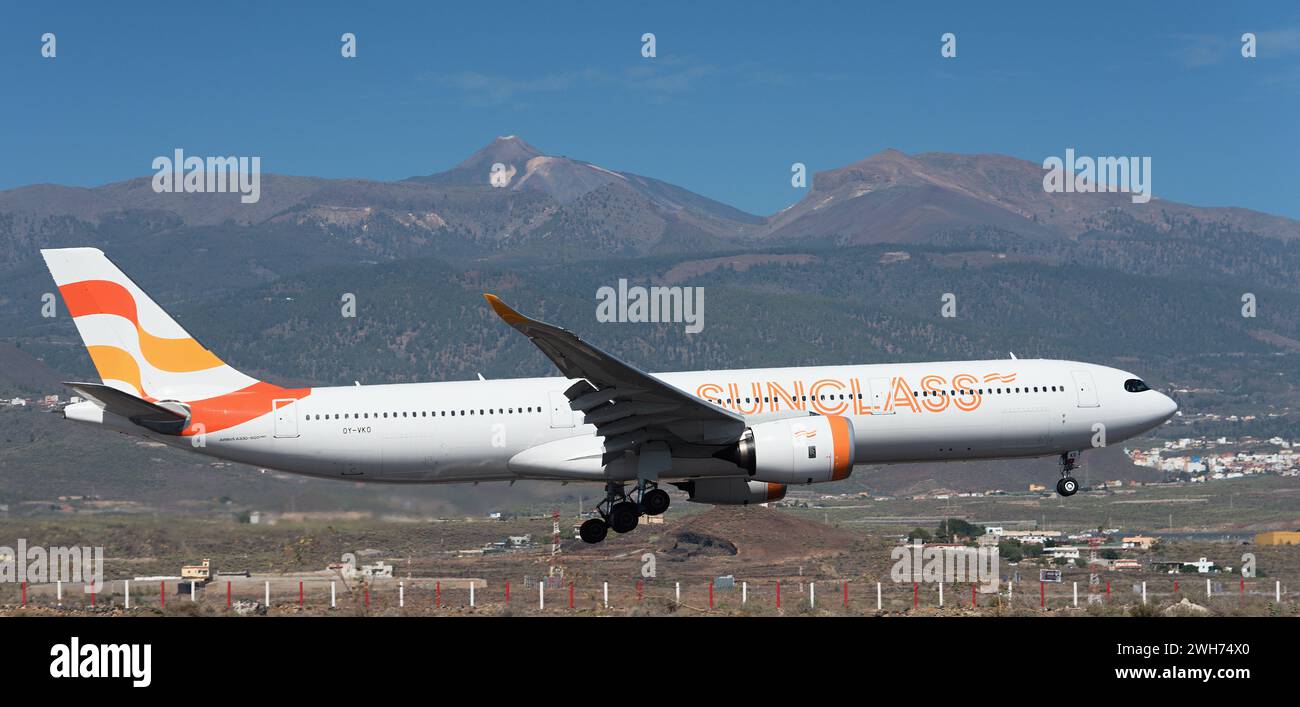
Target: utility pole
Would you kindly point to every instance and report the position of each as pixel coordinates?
(555, 544)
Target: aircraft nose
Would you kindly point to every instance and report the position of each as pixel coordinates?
(1166, 406)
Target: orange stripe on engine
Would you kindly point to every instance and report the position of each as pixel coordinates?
(106, 297)
(842, 461)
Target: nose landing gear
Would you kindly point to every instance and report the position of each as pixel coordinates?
(1068, 486)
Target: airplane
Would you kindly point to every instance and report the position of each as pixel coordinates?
(727, 437)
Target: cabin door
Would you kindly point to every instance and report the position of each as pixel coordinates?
(1086, 389)
(286, 417)
(561, 413)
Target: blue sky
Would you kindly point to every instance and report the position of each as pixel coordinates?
(737, 92)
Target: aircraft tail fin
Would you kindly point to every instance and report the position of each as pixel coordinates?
(136, 347)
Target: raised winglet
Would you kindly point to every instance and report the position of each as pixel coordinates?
(504, 311)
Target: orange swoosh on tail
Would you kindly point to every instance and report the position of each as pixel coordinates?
(105, 297)
(116, 364)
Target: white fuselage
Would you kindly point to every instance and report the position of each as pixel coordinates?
(469, 431)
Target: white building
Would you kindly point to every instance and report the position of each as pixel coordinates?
(1069, 553)
(1037, 537)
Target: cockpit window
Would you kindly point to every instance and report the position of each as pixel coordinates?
(1133, 385)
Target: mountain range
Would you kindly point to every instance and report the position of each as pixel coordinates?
(541, 198)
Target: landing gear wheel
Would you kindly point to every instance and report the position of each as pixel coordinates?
(623, 517)
(1067, 486)
(655, 502)
(593, 531)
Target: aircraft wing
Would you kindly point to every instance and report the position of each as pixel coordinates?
(627, 405)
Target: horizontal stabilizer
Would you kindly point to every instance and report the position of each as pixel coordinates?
(141, 412)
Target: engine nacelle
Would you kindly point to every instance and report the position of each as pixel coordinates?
(803, 450)
(732, 491)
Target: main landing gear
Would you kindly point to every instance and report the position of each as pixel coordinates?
(621, 513)
(593, 531)
(1068, 486)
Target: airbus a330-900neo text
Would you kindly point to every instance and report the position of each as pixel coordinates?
(723, 437)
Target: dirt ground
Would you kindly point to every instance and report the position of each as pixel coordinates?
(723, 561)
